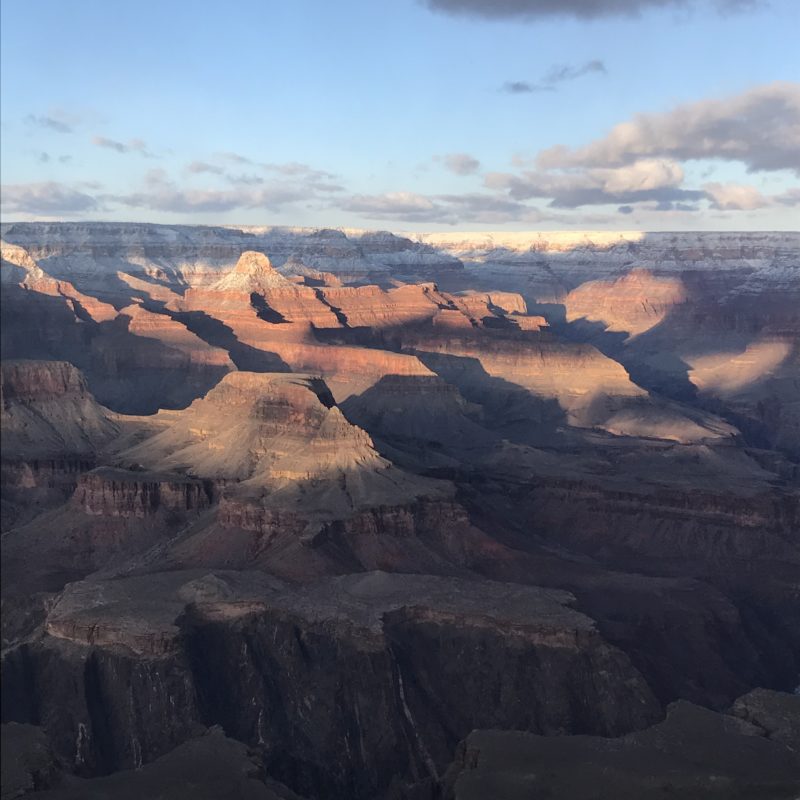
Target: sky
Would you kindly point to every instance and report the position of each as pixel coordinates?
(404, 115)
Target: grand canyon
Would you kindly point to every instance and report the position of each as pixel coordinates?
(337, 514)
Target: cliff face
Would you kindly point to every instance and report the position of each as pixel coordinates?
(113, 518)
(424, 535)
(728, 757)
(341, 685)
(633, 303)
(52, 431)
(177, 337)
(20, 269)
(134, 360)
(119, 493)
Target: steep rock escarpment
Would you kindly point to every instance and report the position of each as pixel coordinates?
(113, 515)
(53, 430)
(632, 303)
(119, 493)
(735, 631)
(350, 687)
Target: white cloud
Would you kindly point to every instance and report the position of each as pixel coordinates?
(735, 197)
(759, 127)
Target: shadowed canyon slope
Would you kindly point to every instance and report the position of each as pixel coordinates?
(340, 514)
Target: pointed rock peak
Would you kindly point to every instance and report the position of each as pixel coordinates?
(252, 262)
(253, 273)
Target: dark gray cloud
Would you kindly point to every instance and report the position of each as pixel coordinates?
(557, 74)
(460, 163)
(581, 9)
(47, 199)
(132, 146)
(759, 127)
(54, 122)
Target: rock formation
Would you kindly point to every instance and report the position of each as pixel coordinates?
(675, 756)
(344, 514)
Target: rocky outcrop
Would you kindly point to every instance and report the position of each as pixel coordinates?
(575, 382)
(573, 374)
(423, 416)
(33, 279)
(208, 767)
(350, 687)
(349, 370)
(775, 714)
(28, 762)
(261, 428)
(113, 516)
(428, 534)
(693, 753)
(121, 493)
(371, 307)
(189, 349)
(633, 303)
(302, 491)
(53, 430)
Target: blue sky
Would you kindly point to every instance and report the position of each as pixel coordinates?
(401, 114)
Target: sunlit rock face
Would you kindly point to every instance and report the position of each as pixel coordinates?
(353, 495)
(728, 373)
(174, 336)
(259, 428)
(48, 411)
(632, 304)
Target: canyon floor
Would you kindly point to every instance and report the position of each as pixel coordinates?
(347, 515)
